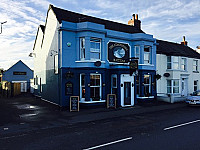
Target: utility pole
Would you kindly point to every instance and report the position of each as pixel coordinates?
(1, 25)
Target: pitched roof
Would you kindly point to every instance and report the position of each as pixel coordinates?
(69, 16)
(175, 49)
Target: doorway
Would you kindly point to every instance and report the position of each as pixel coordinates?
(127, 90)
(184, 87)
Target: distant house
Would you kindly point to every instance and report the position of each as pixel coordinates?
(178, 65)
(19, 73)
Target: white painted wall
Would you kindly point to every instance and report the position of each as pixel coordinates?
(161, 66)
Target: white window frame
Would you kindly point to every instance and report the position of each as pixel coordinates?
(173, 62)
(100, 86)
(149, 55)
(173, 86)
(82, 49)
(92, 51)
(196, 86)
(137, 54)
(149, 84)
(81, 86)
(183, 64)
(195, 65)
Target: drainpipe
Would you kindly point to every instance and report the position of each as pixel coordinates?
(59, 71)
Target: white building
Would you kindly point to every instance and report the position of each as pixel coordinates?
(178, 66)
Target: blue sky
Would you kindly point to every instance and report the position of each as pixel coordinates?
(167, 20)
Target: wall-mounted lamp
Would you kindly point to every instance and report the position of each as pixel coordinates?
(1, 25)
(32, 55)
(53, 52)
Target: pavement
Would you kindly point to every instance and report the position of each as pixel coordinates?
(26, 113)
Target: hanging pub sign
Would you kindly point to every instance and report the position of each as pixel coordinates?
(118, 52)
(74, 103)
(111, 101)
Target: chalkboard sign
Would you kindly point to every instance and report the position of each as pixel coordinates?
(111, 101)
(74, 103)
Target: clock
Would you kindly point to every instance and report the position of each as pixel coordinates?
(119, 52)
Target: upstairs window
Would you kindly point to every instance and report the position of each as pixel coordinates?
(137, 53)
(195, 65)
(183, 64)
(82, 48)
(95, 49)
(172, 62)
(147, 55)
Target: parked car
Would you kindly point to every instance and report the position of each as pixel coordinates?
(194, 99)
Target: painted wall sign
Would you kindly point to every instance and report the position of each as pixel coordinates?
(118, 52)
(74, 103)
(19, 73)
(111, 101)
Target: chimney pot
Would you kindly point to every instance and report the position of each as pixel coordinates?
(133, 16)
(136, 17)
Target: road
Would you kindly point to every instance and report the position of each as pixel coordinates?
(175, 129)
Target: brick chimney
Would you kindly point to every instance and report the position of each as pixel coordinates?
(184, 41)
(135, 22)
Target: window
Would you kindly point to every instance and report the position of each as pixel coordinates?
(56, 64)
(137, 53)
(82, 48)
(147, 85)
(114, 84)
(95, 49)
(95, 87)
(82, 86)
(147, 55)
(172, 62)
(195, 85)
(172, 86)
(183, 64)
(138, 85)
(195, 65)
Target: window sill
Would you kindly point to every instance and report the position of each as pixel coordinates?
(174, 70)
(145, 97)
(146, 65)
(89, 61)
(90, 102)
(195, 71)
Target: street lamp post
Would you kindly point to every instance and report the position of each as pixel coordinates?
(1, 25)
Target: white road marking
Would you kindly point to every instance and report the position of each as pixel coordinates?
(182, 124)
(109, 143)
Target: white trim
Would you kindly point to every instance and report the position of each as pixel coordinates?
(146, 65)
(88, 61)
(145, 97)
(89, 102)
(127, 78)
(49, 101)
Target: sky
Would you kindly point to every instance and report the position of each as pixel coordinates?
(168, 20)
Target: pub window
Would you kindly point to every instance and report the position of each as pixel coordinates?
(82, 48)
(138, 85)
(147, 55)
(137, 53)
(147, 85)
(95, 49)
(114, 84)
(82, 86)
(95, 87)
(68, 88)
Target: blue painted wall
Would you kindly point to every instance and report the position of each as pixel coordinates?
(18, 67)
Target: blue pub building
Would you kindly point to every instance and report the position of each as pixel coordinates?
(89, 57)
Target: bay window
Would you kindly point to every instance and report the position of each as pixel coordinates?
(95, 49)
(147, 55)
(172, 86)
(82, 48)
(137, 53)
